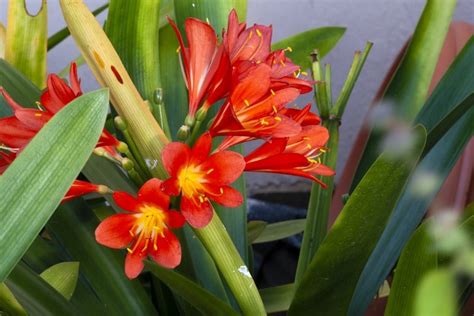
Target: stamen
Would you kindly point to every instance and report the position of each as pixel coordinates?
(304, 73)
(210, 170)
(131, 233)
(246, 102)
(282, 63)
(38, 114)
(221, 190)
(258, 32)
(275, 110)
(129, 250)
(201, 199)
(273, 92)
(263, 122)
(178, 49)
(289, 49)
(277, 118)
(309, 146)
(306, 138)
(322, 150)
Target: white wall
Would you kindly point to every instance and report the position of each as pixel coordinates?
(386, 23)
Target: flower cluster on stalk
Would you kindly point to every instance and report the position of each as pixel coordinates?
(255, 88)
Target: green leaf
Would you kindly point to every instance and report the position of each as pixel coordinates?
(34, 184)
(133, 28)
(62, 34)
(18, 86)
(254, 229)
(8, 302)
(436, 295)
(409, 86)
(418, 257)
(302, 44)
(63, 277)
(277, 298)
(73, 227)
(36, 295)
(26, 41)
(445, 123)
(2, 40)
(453, 88)
(200, 298)
(280, 230)
(329, 282)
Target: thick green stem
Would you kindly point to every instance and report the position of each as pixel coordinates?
(221, 248)
(319, 204)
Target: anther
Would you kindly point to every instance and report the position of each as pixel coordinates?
(304, 73)
(272, 91)
(178, 49)
(258, 32)
(275, 109)
(247, 103)
(277, 118)
(129, 250)
(210, 170)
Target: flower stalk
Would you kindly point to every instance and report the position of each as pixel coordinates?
(221, 248)
(331, 115)
(107, 67)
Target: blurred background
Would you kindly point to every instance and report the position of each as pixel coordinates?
(386, 23)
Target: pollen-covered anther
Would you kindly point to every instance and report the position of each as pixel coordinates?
(247, 103)
(304, 73)
(258, 32)
(264, 122)
(272, 92)
(178, 49)
(210, 170)
(277, 118)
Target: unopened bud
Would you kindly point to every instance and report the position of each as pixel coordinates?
(120, 123)
(189, 121)
(201, 114)
(183, 132)
(99, 152)
(127, 164)
(158, 96)
(122, 147)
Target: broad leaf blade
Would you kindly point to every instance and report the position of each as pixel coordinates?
(436, 295)
(409, 86)
(436, 165)
(62, 277)
(418, 257)
(330, 280)
(8, 302)
(33, 186)
(26, 41)
(280, 230)
(302, 44)
(204, 301)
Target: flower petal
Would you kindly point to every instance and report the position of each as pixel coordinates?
(223, 167)
(151, 192)
(174, 219)
(226, 196)
(175, 155)
(126, 201)
(168, 253)
(134, 263)
(113, 232)
(170, 187)
(197, 215)
(201, 148)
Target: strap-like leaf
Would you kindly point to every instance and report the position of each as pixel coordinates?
(33, 186)
(277, 298)
(328, 284)
(302, 44)
(280, 230)
(200, 298)
(435, 167)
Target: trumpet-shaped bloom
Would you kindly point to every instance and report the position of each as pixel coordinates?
(254, 109)
(201, 177)
(298, 155)
(145, 230)
(205, 64)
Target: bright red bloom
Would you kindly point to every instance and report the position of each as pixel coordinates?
(249, 44)
(254, 110)
(200, 177)
(145, 229)
(297, 155)
(205, 64)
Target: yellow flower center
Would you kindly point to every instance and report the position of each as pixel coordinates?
(150, 223)
(190, 181)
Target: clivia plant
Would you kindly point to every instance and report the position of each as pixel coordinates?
(140, 208)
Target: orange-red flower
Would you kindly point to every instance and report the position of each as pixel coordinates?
(248, 44)
(205, 64)
(253, 109)
(144, 230)
(201, 177)
(298, 155)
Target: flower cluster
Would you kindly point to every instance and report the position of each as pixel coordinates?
(255, 86)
